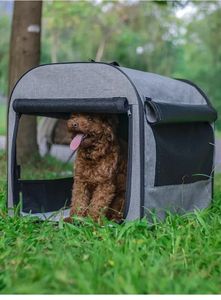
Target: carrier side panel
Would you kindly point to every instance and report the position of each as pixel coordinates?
(178, 163)
(177, 198)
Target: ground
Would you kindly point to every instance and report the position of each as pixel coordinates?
(180, 255)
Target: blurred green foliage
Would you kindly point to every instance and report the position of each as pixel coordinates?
(5, 24)
(145, 35)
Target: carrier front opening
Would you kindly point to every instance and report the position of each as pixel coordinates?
(43, 186)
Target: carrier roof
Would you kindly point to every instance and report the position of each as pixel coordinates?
(101, 80)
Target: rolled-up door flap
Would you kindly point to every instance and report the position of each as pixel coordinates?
(166, 113)
(63, 106)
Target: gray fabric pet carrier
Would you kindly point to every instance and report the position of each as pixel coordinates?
(170, 135)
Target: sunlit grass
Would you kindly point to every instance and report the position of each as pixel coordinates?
(180, 255)
(46, 168)
(218, 134)
(3, 114)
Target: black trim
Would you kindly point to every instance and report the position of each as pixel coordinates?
(198, 89)
(62, 106)
(166, 113)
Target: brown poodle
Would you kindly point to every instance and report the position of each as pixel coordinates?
(100, 167)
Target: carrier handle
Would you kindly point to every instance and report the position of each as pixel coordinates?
(113, 63)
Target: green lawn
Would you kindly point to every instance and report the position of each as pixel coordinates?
(3, 119)
(218, 134)
(181, 255)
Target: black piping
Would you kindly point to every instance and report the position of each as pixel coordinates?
(198, 89)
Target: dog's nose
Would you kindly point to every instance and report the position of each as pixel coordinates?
(75, 125)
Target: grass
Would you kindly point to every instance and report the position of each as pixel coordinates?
(3, 110)
(218, 134)
(179, 256)
(46, 168)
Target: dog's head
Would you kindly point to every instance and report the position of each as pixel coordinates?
(89, 130)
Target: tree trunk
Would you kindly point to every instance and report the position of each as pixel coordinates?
(54, 46)
(24, 55)
(100, 50)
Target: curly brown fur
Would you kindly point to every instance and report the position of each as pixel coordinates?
(100, 168)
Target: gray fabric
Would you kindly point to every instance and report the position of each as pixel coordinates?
(150, 156)
(174, 198)
(164, 89)
(134, 209)
(81, 80)
(178, 198)
(91, 80)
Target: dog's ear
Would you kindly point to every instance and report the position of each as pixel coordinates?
(112, 122)
(109, 133)
(69, 123)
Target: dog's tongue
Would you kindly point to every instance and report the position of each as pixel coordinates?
(75, 143)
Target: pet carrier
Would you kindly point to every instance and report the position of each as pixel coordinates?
(170, 135)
